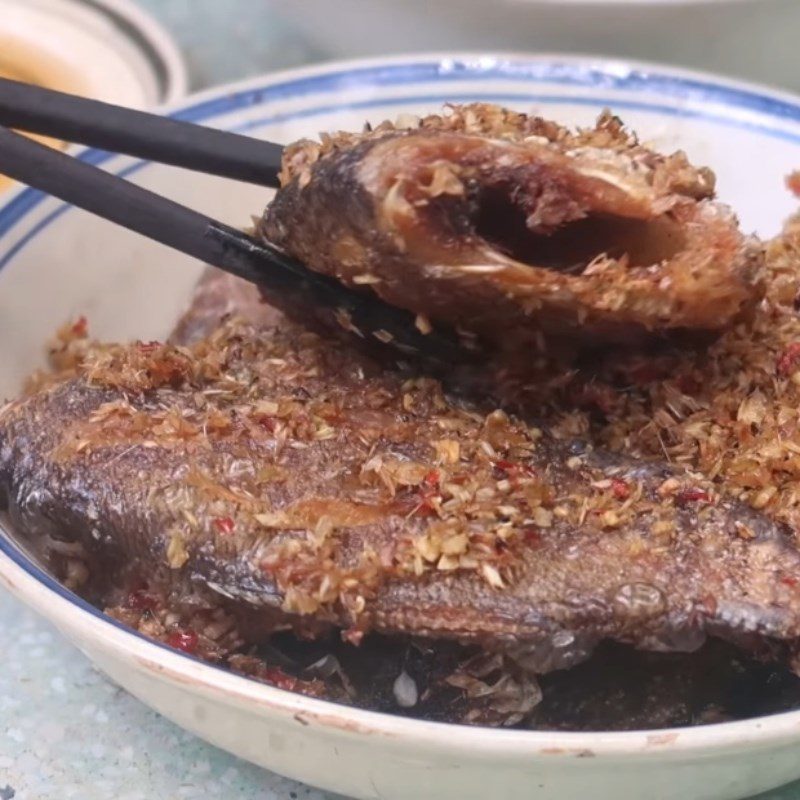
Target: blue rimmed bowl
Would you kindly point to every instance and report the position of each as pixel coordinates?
(57, 262)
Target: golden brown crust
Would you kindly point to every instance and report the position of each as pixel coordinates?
(510, 226)
(607, 140)
(729, 412)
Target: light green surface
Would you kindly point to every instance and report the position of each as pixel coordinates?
(66, 732)
(69, 733)
(228, 39)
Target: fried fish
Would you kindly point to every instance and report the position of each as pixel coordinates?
(306, 488)
(512, 227)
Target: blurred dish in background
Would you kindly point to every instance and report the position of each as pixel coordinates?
(752, 39)
(107, 49)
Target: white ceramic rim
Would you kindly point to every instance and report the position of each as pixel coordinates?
(151, 36)
(24, 579)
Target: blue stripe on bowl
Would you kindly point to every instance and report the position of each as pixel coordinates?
(597, 101)
(589, 74)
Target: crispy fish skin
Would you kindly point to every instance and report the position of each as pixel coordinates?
(303, 484)
(509, 226)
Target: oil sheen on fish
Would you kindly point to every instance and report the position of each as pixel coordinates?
(308, 488)
(512, 227)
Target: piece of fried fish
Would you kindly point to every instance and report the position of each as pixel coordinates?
(512, 227)
(307, 489)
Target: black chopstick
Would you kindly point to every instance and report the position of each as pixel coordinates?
(137, 133)
(287, 283)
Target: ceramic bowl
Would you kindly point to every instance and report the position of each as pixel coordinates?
(111, 50)
(57, 262)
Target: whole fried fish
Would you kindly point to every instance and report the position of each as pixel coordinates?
(511, 226)
(306, 488)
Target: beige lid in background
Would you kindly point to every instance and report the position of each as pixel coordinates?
(106, 49)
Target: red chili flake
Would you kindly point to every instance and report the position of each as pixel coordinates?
(427, 491)
(141, 600)
(270, 423)
(793, 183)
(513, 469)
(185, 641)
(353, 636)
(279, 679)
(787, 580)
(788, 359)
(224, 525)
(531, 535)
(432, 478)
(80, 327)
(620, 489)
(693, 495)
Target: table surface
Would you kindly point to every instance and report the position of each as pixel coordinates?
(65, 731)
